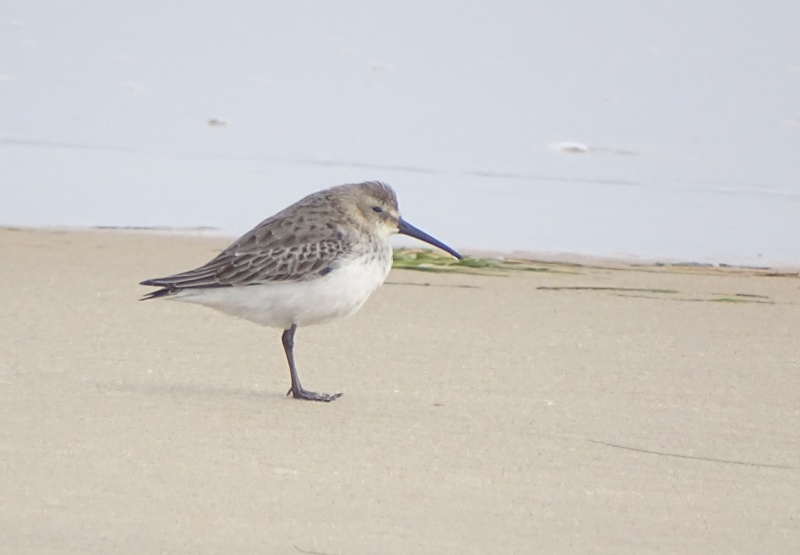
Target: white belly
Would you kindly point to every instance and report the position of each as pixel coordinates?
(336, 295)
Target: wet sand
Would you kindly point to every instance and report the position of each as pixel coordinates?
(577, 409)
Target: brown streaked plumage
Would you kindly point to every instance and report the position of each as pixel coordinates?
(315, 261)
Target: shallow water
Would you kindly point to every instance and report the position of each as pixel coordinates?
(686, 119)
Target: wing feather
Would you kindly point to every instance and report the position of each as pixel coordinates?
(283, 248)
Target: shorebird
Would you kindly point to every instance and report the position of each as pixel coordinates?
(316, 261)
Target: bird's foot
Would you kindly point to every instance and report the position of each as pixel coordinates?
(306, 395)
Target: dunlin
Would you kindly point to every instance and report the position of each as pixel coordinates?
(313, 262)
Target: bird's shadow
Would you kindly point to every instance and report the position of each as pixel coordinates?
(199, 391)
(427, 284)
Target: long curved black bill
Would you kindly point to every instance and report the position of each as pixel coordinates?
(407, 229)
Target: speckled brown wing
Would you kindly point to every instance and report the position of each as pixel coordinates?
(280, 249)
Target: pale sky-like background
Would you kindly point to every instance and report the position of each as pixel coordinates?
(690, 111)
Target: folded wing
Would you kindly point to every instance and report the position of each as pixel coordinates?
(277, 250)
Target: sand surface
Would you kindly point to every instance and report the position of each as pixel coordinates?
(516, 413)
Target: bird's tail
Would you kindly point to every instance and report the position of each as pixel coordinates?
(165, 290)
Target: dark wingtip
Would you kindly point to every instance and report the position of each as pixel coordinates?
(165, 291)
(157, 294)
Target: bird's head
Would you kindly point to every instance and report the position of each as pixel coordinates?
(376, 205)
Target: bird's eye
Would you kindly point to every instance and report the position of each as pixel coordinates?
(377, 209)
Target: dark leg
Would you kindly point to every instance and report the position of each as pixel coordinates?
(297, 390)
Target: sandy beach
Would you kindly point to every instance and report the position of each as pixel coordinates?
(570, 410)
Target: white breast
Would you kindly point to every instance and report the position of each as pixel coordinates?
(336, 295)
